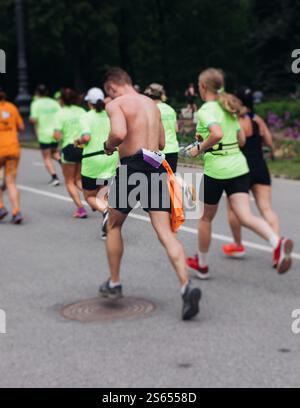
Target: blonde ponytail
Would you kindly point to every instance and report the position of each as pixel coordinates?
(214, 81)
(231, 104)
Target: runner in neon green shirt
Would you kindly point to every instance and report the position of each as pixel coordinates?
(98, 169)
(43, 111)
(68, 124)
(226, 169)
(230, 162)
(169, 121)
(67, 130)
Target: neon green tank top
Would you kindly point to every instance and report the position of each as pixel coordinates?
(231, 163)
(97, 125)
(169, 121)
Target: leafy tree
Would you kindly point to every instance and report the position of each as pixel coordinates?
(169, 41)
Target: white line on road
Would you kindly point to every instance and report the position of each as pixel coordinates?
(193, 231)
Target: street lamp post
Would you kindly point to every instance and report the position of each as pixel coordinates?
(23, 99)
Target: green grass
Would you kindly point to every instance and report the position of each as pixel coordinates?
(30, 144)
(288, 168)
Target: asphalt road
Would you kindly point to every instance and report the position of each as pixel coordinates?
(242, 338)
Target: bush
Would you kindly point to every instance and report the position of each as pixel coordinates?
(282, 115)
(289, 111)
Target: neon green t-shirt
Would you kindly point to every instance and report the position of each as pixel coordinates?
(169, 121)
(229, 163)
(44, 110)
(67, 121)
(97, 125)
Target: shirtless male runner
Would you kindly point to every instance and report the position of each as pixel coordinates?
(136, 129)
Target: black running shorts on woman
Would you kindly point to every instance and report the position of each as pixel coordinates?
(213, 189)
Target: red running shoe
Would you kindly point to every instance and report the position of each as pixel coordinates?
(282, 259)
(201, 272)
(234, 251)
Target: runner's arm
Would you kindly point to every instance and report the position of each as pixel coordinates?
(264, 132)
(241, 137)
(85, 132)
(162, 137)
(58, 127)
(57, 135)
(216, 135)
(19, 120)
(118, 126)
(33, 117)
(83, 140)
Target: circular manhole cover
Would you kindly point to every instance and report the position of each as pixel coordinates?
(99, 310)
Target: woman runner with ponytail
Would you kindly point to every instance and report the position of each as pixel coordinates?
(97, 169)
(257, 135)
(226, 169)
(67, 130)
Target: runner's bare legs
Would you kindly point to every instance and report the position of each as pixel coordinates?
(161, 224)
(114, 243)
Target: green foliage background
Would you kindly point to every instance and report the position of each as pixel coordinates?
(72, 42)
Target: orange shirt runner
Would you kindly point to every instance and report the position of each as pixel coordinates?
(10, 122)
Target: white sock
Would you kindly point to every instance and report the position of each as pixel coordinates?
(274, 240)
(183, 288)
(114, 285)
(202, 259)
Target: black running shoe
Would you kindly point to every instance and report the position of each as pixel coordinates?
(3, 213)
(112, 293)
(17, 219)
(191, 300)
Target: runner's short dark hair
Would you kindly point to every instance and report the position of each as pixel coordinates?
(118, 76)
(70, 97)
(41, 90)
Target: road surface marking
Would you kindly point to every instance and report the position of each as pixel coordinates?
(189, 230)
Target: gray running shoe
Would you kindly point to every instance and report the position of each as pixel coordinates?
(191, 299)
(54, 183)
(112, 293)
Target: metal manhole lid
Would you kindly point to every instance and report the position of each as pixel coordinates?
(101, 310)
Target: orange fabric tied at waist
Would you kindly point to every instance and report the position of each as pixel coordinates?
(177, 211)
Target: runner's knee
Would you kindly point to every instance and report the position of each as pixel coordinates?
(115, 221)
(10, 180)
(206, 218)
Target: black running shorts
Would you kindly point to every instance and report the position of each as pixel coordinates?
(214, 188)
(259, 172)
(138, 182)
(91, 184)
(172, 159)
(47, 146)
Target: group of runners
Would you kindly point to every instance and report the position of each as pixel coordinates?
(125, 140)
